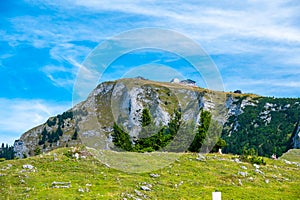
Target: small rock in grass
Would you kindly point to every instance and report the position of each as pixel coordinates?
(76, 156)
(258, 171)
(80, 190)
(240, 182)
(201, 157)
(256, 166)
(154, 175)
(138, 193)
(287, 162)
(145, 188)
(61, 184)
(243, 167)
(244, 174)
(28, 166)
(267, 181)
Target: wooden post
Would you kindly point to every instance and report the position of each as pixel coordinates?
(216, 195)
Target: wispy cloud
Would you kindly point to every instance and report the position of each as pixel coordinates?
(265, 86)
(20, 115)
(271, 20)
(61, 76)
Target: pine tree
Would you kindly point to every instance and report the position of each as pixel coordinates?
(75, 135)
(121, 139)
(59, 131)
(146, 117)
(205, 119)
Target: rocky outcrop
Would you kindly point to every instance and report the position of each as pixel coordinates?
(296, 138)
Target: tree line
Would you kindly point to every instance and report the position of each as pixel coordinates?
(6, 152)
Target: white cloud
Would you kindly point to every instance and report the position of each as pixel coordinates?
(20, 115)
(267, 19)
(223, 27)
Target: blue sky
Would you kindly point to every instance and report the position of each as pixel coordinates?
(255, 44)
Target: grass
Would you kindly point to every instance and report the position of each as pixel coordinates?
(183, 178)
(292, 155)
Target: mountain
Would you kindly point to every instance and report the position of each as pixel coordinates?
(269, 125)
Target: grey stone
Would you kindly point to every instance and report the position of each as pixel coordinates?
(244, 174)
(201, 157)
(154, 175)
(138, 193)
(145, 188)
(61, 184)
(256, 166)
(243, 167)
(287, 162)
(267, 181)
(240, 182)
(76, 156)
(259, 171)
(28, 166)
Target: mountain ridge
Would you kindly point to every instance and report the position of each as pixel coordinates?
(123, 101)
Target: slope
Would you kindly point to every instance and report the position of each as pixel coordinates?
(186, 178)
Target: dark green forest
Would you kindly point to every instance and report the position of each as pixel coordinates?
(6, 152)
(252, 130)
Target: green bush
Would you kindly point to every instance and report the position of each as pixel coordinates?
(250, 155)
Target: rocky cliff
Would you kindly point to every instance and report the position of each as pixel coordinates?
(249, 121)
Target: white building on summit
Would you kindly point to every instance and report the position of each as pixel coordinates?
(175, 80)
(188, 82)
(184, 82)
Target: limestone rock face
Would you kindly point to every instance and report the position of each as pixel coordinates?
(296, 139)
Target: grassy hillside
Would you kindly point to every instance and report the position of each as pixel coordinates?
(292, 155)
(186, 178)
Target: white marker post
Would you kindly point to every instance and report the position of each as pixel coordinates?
(216, 195)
